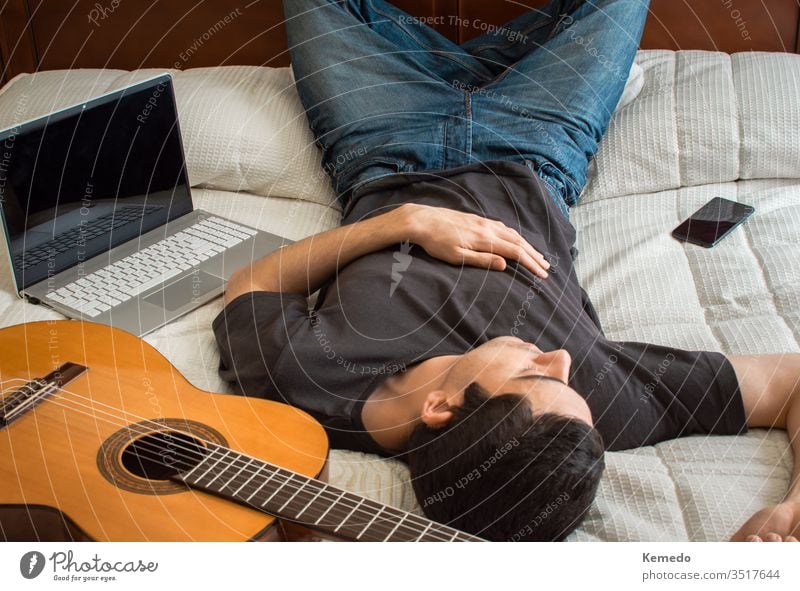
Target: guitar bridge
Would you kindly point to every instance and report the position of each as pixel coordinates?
(35, 391)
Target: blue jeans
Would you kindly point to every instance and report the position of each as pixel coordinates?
(385, 94)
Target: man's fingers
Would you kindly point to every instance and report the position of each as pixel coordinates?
(790, 539)
(753, 538)
(483, 260)
(536, 264)
(514, 252)
(772, 537)
(518, 238)
(485, 236)
(515, 237)
(518, 253)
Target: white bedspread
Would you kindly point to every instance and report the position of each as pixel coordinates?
(705, 124)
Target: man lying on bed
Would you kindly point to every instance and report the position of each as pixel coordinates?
(450, 329)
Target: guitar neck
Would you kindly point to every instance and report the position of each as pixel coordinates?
(309, 502)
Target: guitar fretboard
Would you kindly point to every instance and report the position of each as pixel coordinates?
(310, 502)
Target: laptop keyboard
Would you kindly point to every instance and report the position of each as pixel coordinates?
(121, 216)
(133, 275)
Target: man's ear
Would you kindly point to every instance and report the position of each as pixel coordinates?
(436, 410)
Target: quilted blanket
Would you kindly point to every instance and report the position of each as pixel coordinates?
(705, 124)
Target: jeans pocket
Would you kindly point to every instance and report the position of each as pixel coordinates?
(560, 187)
(355, 174)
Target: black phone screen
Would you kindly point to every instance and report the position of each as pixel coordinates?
(712, 222)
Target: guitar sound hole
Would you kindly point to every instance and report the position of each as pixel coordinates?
(162, 454)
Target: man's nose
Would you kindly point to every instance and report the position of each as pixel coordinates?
(556, 363)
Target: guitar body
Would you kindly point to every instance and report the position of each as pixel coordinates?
(68, 457)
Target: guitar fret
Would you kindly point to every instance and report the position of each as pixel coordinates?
(292, 497)
(263, 484)
(406, 520)
(385, 524)
(186, 475)
(203, 475)
(221, 472)
(248, 481)
(422, 535)
(235, 475)
(378, 529)
(277, 490)
(394, 529)
(371, 521)
(331, 506)
(440, 531)
(348, 515)
(314, 498)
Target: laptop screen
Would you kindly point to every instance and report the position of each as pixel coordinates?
(83, 180)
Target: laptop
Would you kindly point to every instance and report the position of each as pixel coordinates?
(98, 218)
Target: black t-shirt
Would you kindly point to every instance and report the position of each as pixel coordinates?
(388, 310)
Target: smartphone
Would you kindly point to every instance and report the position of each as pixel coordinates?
(712, 222)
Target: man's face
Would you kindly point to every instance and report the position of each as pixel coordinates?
(508, 365)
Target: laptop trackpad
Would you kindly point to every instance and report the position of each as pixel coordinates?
(185, 291)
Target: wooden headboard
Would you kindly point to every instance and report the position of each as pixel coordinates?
(128, 34)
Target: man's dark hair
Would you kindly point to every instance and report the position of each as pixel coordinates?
(498, 472)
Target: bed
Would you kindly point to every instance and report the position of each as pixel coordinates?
(706, 123)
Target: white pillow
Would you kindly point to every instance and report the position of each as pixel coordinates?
(633, 86)
(246, 129)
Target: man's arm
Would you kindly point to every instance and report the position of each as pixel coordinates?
(452, 236)
(770, 387)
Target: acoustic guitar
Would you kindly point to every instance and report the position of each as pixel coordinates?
(101, 438)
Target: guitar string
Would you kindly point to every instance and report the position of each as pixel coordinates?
(338, 494)
(18, 394)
